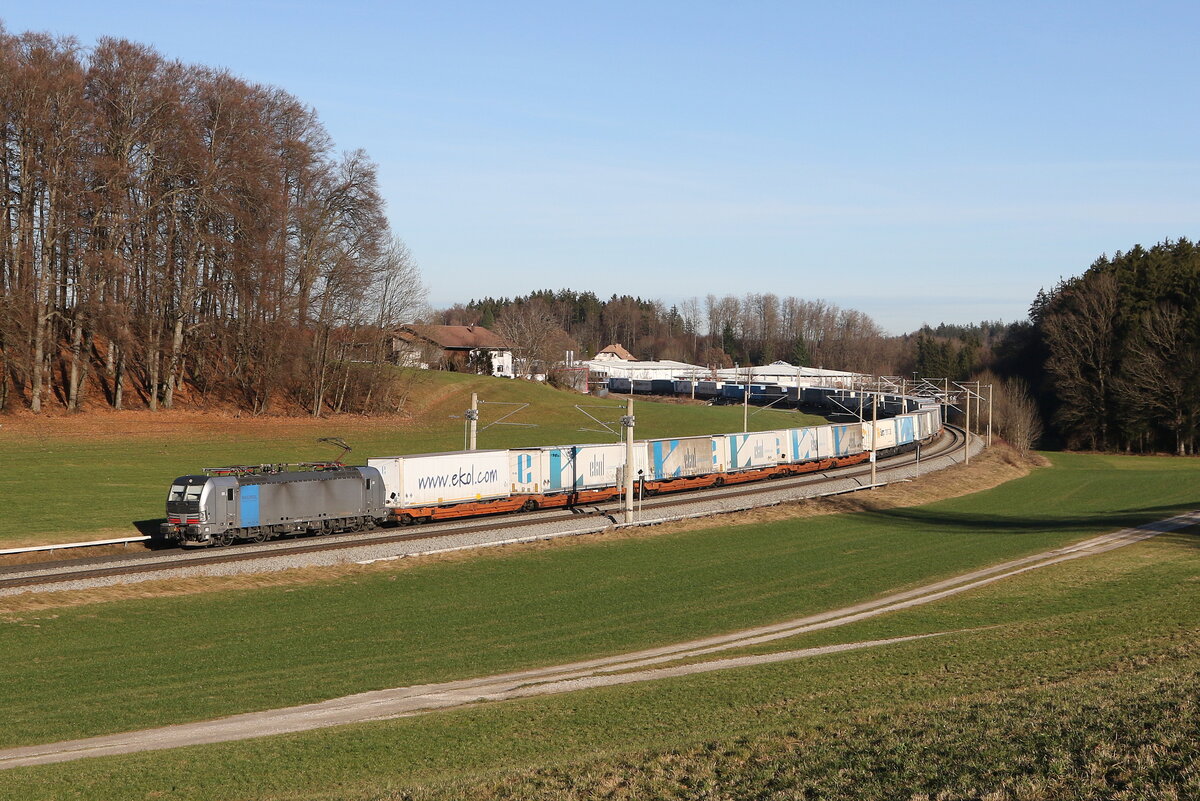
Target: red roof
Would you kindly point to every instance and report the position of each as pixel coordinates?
(455, 337)
(620, 352)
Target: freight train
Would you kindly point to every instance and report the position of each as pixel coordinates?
(259, 503)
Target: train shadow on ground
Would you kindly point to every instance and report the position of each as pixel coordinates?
(935, 521)
(149, 528)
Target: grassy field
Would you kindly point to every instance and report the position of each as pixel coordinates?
(1078, 703)
(95, 476)
(1111, 635)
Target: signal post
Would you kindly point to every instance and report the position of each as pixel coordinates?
(627, 421)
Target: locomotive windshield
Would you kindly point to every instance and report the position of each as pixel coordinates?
(180, 492)
(185, 499)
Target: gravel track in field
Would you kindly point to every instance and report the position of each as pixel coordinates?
(614, 670)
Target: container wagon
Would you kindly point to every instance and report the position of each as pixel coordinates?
(437, 486)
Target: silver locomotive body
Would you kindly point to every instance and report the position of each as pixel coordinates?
(219, 509)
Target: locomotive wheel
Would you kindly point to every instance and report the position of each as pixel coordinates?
(356, 524)
(224, 539)
(260, 534)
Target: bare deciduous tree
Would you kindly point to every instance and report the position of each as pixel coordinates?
(534, 335)
(168, 227)
(1014, 411)
(1081, 335)
(1161, 376)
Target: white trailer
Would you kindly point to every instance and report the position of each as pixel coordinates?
(847, 439)
(439, 479)
(822, 442)
(890, 433)
(754, 450)
(572, 467)
(878, 435)
(680, 458)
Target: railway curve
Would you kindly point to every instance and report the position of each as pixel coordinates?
(476, 533)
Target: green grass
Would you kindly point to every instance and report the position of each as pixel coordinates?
(168, 660)
(1085, 686)
(60, 486)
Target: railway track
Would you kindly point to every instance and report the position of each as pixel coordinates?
(46, 575)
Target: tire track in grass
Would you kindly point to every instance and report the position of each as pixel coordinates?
(607, 671)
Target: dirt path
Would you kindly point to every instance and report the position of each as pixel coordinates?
(622, 669)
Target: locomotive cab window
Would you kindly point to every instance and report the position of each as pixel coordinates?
(229, 494)
(177, 492)
(368, 483)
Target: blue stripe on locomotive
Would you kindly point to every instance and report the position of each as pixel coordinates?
(248, 505)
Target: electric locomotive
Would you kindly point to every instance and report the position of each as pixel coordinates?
(258, 503)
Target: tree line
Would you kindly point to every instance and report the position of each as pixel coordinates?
(1120, 346)
(1110, 358)
(713, 331)
(1106, 360)
(171, 228)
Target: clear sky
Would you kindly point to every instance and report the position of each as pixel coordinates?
(920, 161)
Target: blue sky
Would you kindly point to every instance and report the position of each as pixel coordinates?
(922, 162)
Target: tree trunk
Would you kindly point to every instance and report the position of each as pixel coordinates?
(73, 379)
(319, 389)
(39, 355)
(119, 379)
(85, 364)
(154, 364)
(174, 367)
(341, 397)
(3, 377)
